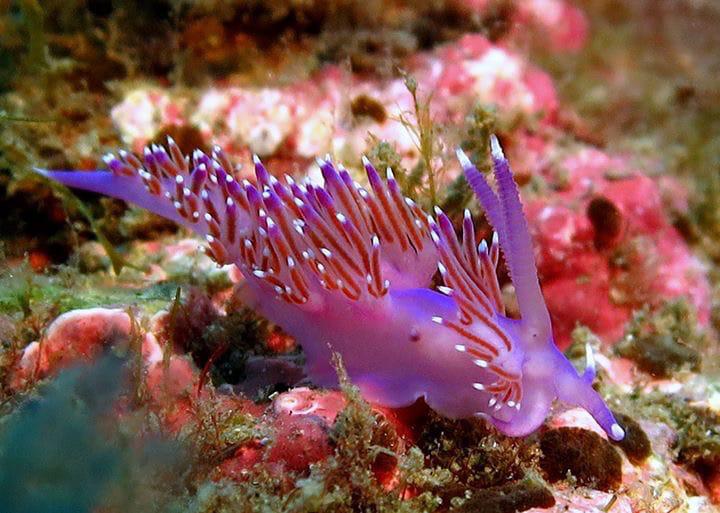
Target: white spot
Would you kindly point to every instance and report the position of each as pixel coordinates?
(441, 268)
(256, 159)
(208, 217)
(375, 241)
(466, 214)
(492, 402)
(278, 289)
(326, 252)
(341, 217)
(209, 238)
(369, 279)
(479, 386)
(445, 290)
(196, 214)
(365, 161)
(438, 211)
(495, 239)
(482, 247)
(179, 179)
(204, 194)
(410, 203)
(186, 192)
(511, 404)
(435, 238)
(460, 348)
(389, 173)
(259, 273)
(480, 363)
(437, 320)
(177, 205)
(229, 202)
(290, 262)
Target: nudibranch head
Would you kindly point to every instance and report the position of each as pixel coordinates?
(350, 267)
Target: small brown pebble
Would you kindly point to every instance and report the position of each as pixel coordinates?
(607, 220)
(512, 497)
(587, 456)
(636, 444)
(365, 106)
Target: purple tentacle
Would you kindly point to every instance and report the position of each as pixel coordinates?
(488, 198)
(520, 248)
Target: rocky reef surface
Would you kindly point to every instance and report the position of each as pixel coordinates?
(129, 357)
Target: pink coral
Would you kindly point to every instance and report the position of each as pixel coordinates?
(75, 336)
(625, 255)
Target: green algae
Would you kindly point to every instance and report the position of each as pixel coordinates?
(665, 342)
(697, 426)
(530, 492)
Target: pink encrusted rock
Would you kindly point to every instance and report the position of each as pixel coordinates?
(299, 441)
(143, 112)
(585, 500)
(314, 116)
(74, 337)
(575, 417)
(561, 24)
(605, 246)
(304, 401)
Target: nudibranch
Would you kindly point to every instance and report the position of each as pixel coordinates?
(348, 269)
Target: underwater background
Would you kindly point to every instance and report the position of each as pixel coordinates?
(134, 374)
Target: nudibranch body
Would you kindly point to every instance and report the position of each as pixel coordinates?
(348, 269)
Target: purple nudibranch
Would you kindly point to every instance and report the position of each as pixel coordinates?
(348, 269)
